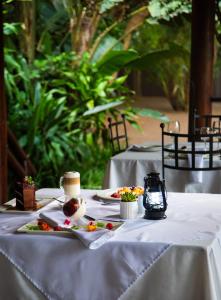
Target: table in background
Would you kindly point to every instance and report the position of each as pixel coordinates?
(130, 167)
(189, 269)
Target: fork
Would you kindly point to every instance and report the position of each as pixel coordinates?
(108, 203)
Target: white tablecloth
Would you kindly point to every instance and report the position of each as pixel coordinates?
(130, 167)
(189, 269)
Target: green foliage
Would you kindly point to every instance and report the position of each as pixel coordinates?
(29, 180)
(59, 103)
(53, 113)
(169, 67)
(151, 114)
(108, 4)
(103, 107)
(167, 9)
(128, 197)
(114, 61)
(11, 28)
(60, 108)
(106, 44)
(52, 22)
(150, 61)
(5, 4)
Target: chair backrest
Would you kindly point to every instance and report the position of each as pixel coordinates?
(213, 121)
(118, 134)
(178, 151)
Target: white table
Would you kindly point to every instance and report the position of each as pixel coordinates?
(189, 269)
(130, 167)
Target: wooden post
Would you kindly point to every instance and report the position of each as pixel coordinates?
(3, 124)
(202, 49)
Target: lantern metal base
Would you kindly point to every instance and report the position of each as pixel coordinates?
(155, 215)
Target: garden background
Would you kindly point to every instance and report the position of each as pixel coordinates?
(70, 64)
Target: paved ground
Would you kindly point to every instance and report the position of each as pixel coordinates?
(151, 128)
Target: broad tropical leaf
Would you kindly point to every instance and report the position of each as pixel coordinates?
(146, 112)
(149, 60)
(11, 28)
(153, 59)
(114, 61)
(103, 107)
(107, 44)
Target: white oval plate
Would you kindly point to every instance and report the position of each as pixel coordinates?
(105, 195)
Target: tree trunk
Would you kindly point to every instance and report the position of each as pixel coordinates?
(135, 21)
(28, 20)
(83, 29)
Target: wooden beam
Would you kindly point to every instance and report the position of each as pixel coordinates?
(20, 154)
(3, 122)
(202, 49)
(18, 169)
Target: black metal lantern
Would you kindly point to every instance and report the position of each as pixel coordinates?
(154, 198)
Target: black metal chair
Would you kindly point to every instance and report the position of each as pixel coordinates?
(177, 151)
(118, 134)
(209, 120)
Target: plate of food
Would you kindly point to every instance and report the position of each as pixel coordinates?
(114, 195)
(40, 226)
(10, 206)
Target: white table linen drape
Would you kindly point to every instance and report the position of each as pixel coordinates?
(189, 269)
(130, 167)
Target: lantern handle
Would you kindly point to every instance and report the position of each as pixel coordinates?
(164, 191)
(164, 185)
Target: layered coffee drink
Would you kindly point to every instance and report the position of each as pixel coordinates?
(70, 182)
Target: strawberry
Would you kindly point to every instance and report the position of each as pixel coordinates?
(57, 228)
(115, 195)
(109, 226)
(67, 222)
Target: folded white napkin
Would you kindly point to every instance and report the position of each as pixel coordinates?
(92, 239)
